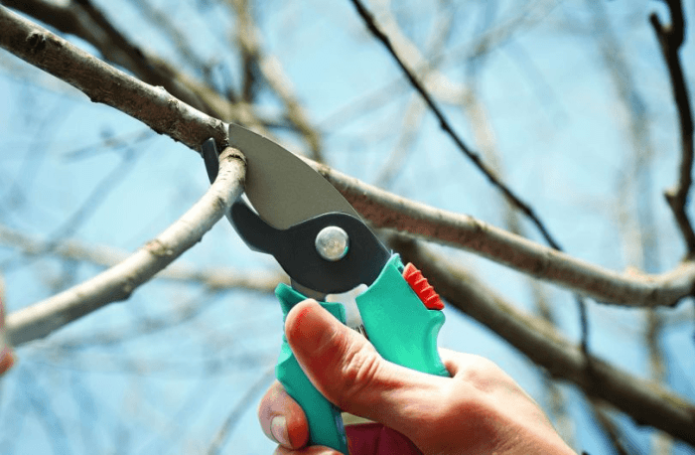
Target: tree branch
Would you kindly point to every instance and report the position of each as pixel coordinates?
(86, 21)
(167, 115)
(387, 210)
(118, 282)
(270, 68)
(151, 105)
(670, 39)
(446, 126)
(646, 402)
(213, 278)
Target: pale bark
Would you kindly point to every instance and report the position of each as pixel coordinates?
(387, 210)
(119, 282)
(213, 278)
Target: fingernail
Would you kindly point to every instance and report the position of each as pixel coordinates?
(278, 428)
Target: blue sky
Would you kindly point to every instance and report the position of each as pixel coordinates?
(561, 136)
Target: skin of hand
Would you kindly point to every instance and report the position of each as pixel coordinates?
(479, 410)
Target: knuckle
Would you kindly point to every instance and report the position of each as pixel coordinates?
(485, 374)
(360, 373)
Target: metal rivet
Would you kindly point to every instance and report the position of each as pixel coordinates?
(332, 243)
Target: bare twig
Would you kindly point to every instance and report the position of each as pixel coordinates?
(443, 88)
(446, 126)
(661, 443)
(270, 68)
(214, 278)
(415, 112)
(671, 38)
(646, 402)
(610, 427)
(232, 419)
(118, 282)
(163, 21)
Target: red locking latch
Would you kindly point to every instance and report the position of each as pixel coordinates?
(422, 287)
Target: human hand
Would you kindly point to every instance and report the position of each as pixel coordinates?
(479, 410)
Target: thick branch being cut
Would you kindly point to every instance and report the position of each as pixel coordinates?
(387, 210)
(118, 282)
(167, 115)
(646, 402)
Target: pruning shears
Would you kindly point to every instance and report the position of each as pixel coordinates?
(330, 254)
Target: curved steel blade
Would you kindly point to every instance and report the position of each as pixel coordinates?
(282, 188)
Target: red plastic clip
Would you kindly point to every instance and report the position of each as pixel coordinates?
(422, 287)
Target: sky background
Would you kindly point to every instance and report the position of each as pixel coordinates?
(117, 382)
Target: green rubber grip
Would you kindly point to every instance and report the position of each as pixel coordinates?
(399, 326)
(325, 422)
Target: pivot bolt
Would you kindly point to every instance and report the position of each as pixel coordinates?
(332, 243)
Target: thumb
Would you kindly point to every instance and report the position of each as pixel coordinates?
(351, 374)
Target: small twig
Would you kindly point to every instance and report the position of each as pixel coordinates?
(513, 199)
(255, 58)
(119, 282)
(446, 126)
(230, 422)
(415, 112)
(162, 19)
(609, 427)
(584, 326)
(670, 39)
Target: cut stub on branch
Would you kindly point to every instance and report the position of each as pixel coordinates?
(6, 356)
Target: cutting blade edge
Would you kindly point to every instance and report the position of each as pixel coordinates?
(282, 188)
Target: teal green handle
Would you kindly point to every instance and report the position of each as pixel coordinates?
(399, 326)
(325, 422)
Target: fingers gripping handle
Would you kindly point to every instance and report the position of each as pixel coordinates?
(325, 422)
(401, 328)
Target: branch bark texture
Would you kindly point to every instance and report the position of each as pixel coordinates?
(213, 278)
(119, 282)
(85, 20)
(103, 83)
(387, 210)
